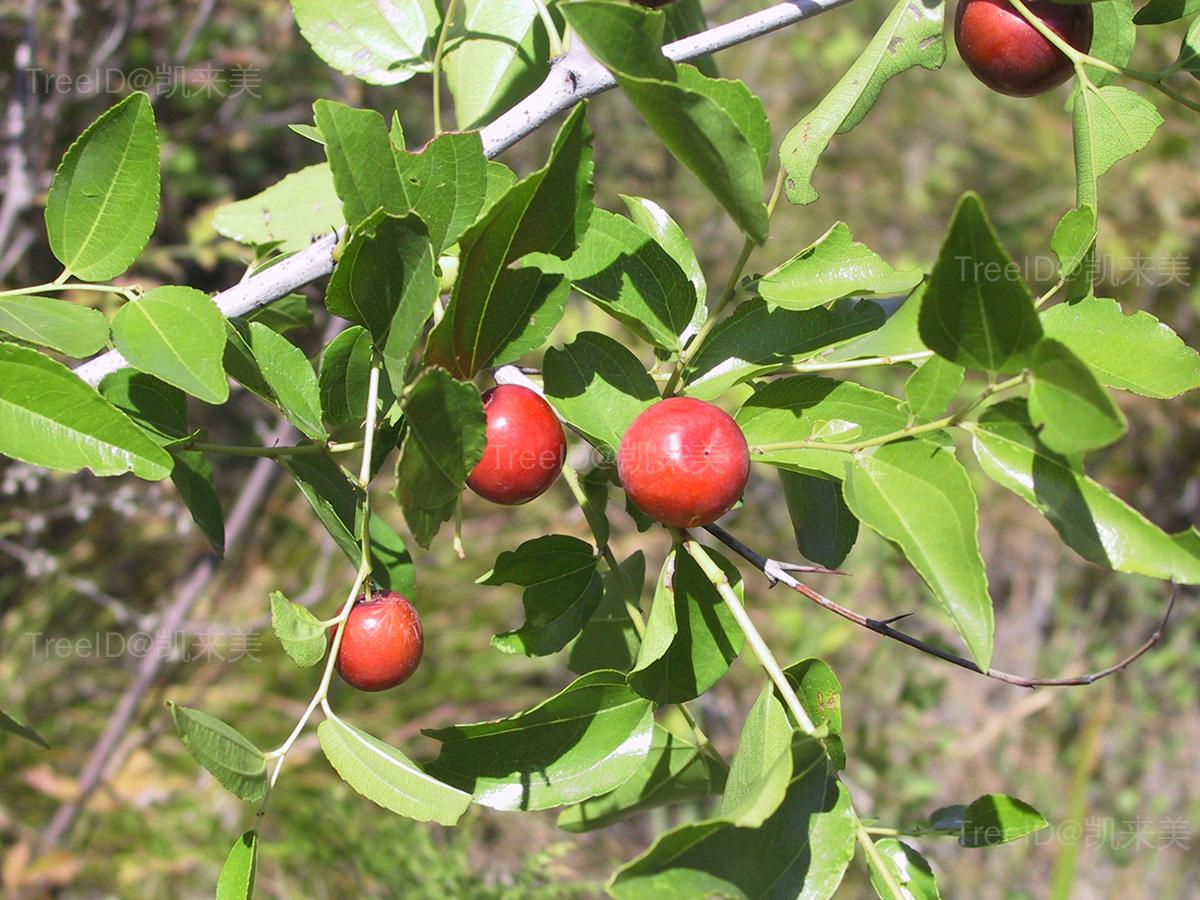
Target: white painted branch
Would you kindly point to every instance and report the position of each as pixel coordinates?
(572, 78)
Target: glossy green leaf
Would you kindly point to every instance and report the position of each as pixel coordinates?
(386, 776)
(378, 43)
(1074, 236)
(12, 726)
(920, 497)
(562, 590)
(1189, 50)
(1158, 12)
(656, 222)
(691, 636)
(1110, 123)
(584, 741)
(241, 865)
(1069, 407)
(910, 36)
(235, 762)
(761, 770)
(1134, 353)
(290, 213)
(598, 386)
(908, 869)
(498, 313)
(301, 633)
(176, 334)
(834, 266)
(193, 478)
(820, 693)
(345, 375)
(997, 819)
(50, 418)
(291, 379)
(103, 201)
(931, 388)
(716, 128)
(69, 328)
(898, 336)
(757, 339)
(824, 527)
(824, 410)
(976, 310)
(444, 440)
(158, 407)
(1095, 523)
(609, 640)
(288, 313)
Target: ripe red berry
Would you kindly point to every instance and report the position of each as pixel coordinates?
(1008, 54)
(525, 447)
(684, 462)
(382, 644)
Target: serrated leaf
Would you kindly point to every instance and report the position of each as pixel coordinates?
(1069, 407)
(762, 765)
(1090, 520)
(386, 776)
(1134, 353)
(598, 386)
(976, 310)
(345, 375)
(1074, 236)
(12, 726)
(176, 334)
(377, 43)
(291, 378)
(241, 865)
(1113, 37)
(69, 328)
(920, 497)
(1110, 123)
(300, 632)
(584, 741)
(235, 762)
(931, 388)
(910, 36)
(908, 869)
(997, 819)
(824, 527)
(834, 266)
(103, 201)
(290, 213)
(562, 590)
(50, 418)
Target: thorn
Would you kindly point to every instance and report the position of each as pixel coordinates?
(894, 619)
(812, 570)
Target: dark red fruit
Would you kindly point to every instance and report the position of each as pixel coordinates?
(382, 644)
(684, 462)
(525, 447)
(1008, 54)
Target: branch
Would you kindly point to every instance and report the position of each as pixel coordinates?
(777, 572)
(572, 78)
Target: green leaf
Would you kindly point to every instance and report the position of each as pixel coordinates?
(345, 375)
(632, 278)
(907, 868)
(582, 742)
(379, 44)
(386, 776)
(761, 770)
(103, 201)
(609, 640)
(235, 762)
(997, 819)
(1158, 12)
(286, 314)
(919, 496)
(655, 221)
(498, 56)
(12, 726)
(50, 418)
(290, 213)
(801, 851)
(825, 528)
(757, 340)
(1069, 407)
(67, 327)
(1134, 353)
(716, 128)
(1113, 37)
(976, 310)
(1110, 123)
(1096, 524)
(291, 378)
(910, 36)
(161, 410)
(834, 266)
(824, 410)
(193, 478)
(300, 632)
(241, 865)
(898, 336)
(820, 693)
(674, 772)
(598, 386)
(176, 334)
(496, 313)
(1074, 236)
(444, 440)
(931, 388)
(562, 590)
(1189, 50)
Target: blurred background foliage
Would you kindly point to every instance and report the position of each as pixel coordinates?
(1113, 766)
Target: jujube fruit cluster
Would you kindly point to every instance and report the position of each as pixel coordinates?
(684, 462)
(382, 644)
(1008, 54)
(525, 447)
